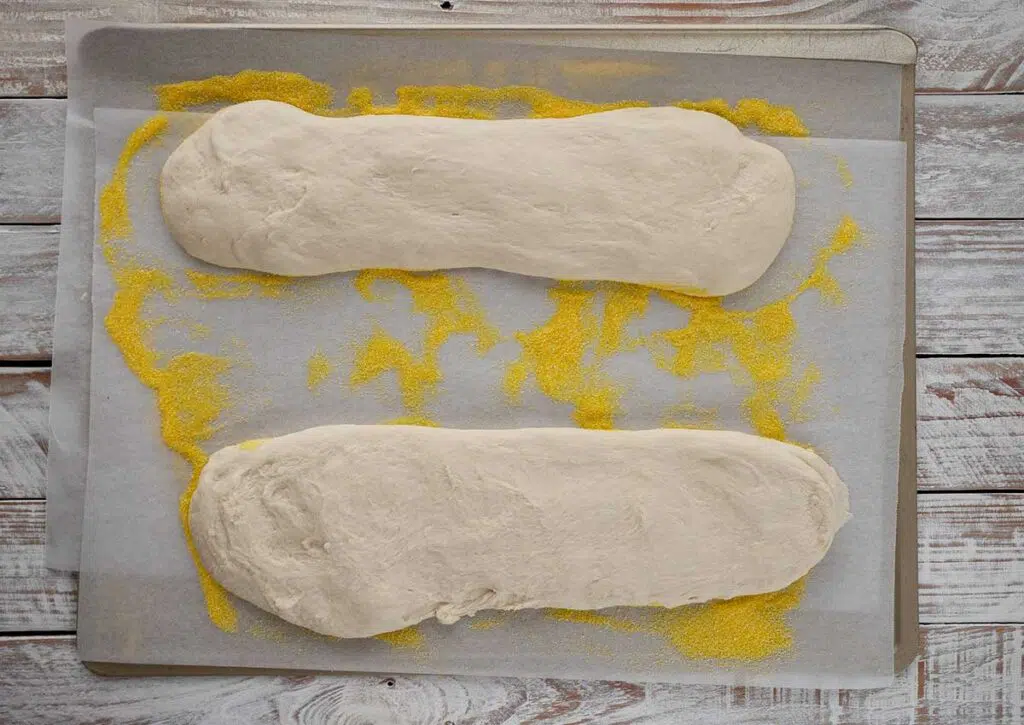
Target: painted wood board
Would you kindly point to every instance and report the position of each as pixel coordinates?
(31, 159)
(32, 598)
(967, 674)
(24, 431)
(970, 286)
(970, 424)
(976, 46)
(970, 562)
(968, 153)
(28, 284)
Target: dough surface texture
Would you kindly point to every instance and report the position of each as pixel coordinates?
(660, 196)
(355, 530)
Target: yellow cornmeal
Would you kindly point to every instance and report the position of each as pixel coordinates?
(760, 341)
(847, 234)
(450, 101)
(622, 304)
(190, 396)
(413, 420)
(252, 444)
(753, 113)
(198, 331)
(690, 415)
(586, 616)
(487, 103)
(843, 169)
(381, 354)
(450, 307)
(408, 638)
(233, 286)
(744, 628)
(801, 393)
(554, 355)
(318, 369)
(115, 224)
(249, 85)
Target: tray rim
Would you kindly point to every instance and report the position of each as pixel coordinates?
(864, 43)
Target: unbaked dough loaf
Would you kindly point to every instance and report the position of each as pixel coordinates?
(355, 530)
(659, 196)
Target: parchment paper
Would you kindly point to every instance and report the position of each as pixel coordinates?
(116, 65)
(140, 601)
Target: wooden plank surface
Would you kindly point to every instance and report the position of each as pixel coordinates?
(968, 153)
(970, 424)
(32, 598)
(976, 46)
(971, 557)
(967, 674)
(28, 283)
(24, 433)
(970, 287)
(968, 156)
(970, 552)
(31, 159)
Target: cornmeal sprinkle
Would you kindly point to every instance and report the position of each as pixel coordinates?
(450, 308)
(408, 638)
(554, 355)
(318, 369)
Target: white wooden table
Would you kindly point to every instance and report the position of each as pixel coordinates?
(970, 326)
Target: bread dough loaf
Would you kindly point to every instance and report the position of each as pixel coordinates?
(661, 196)
(355, 530)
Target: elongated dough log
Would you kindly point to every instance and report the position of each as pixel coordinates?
(356, 530)
(659, 196)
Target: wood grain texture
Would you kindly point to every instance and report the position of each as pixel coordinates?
(24, 433)
(970, 424)
(968, 156)
(970, 552)
(971, 557)
(32, 39)
(970, 287)
(31, 159)
(977, 46)
(32, 598)
(28, 279)
(967, 674)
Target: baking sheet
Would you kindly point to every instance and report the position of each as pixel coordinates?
(140, 601)
(116, 65)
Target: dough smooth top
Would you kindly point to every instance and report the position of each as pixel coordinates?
(355, 530)
(660, 196)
